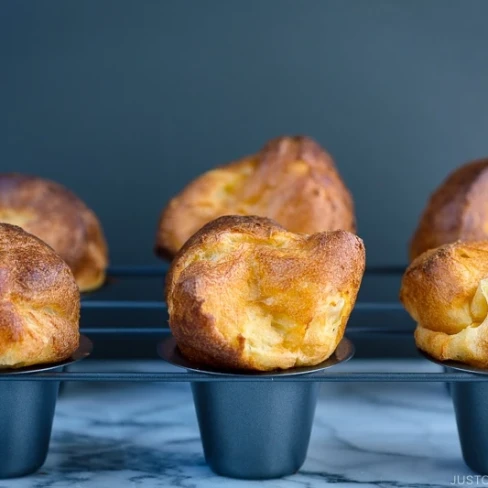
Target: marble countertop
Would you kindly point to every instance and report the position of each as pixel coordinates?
(146, 435)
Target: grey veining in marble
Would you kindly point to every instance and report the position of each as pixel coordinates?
(146, 435)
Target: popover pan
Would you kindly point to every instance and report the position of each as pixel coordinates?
(254, 430)
(470, 400)
(26, 416)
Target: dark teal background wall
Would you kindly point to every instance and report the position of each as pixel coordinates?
(125, 101)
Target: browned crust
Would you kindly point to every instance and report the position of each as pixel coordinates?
(457, 210)
(291, 180)
(58, 217)
(234, 263)
(438, 291)
(39, 302)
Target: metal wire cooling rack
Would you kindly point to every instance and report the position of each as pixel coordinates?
(158, 332)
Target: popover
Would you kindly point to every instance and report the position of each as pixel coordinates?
(245, 294)
(292, 180)
(39, 302)
(457, 210)
(445, 290)
(58, 217)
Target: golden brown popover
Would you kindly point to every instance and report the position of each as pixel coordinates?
(292, 180)
(244, 293)
(457, 210)
(58, 217)
(39, 302)
(445, 290)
